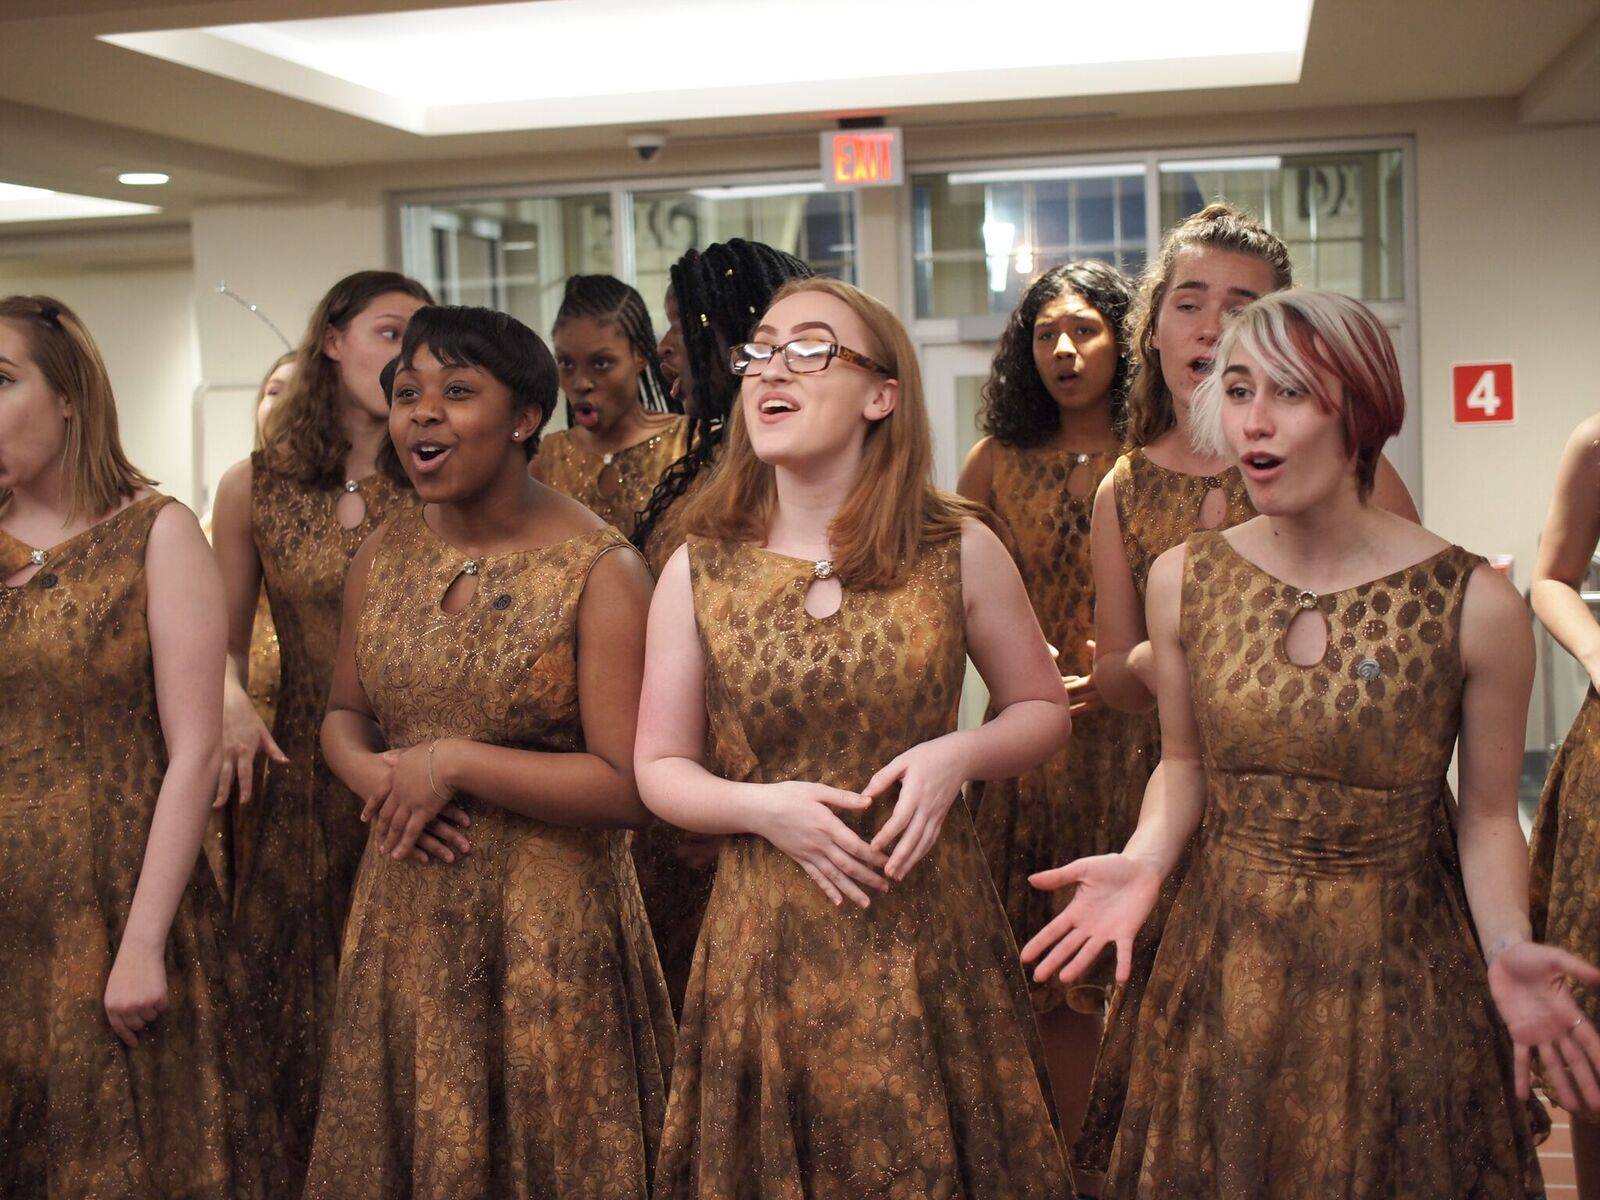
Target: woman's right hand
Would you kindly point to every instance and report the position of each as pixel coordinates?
(799, 820)
(244, 736)
(1115, 895)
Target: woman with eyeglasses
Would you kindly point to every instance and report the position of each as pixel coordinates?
(626, 429)
(856, 1024)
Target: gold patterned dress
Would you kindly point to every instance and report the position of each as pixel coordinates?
(841, 1053)
(1564, 849)
(502, 1030)
(1318, 1020)
(1157, 509)
(298, 844)
(1078, 802)
(614, 486)
(82, 760)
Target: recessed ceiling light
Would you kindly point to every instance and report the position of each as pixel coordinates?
(143, 178)
(465, 70)
(21, 203)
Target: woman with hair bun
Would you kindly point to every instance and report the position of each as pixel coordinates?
(124, 1074)
(502, 1028)
(1320, 1019)
(289, 518)
(1054, 409)
(626, 428)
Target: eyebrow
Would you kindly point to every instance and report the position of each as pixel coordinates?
(1232, 369)
(7, 361)
(1199, 285)
(392, 316)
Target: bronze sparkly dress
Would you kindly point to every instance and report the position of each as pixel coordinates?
(615, 486)
(1157, 509)
(841, 1053)
(1564, 849)
(82, 759)
(1318, 1020)
(1078, 802)
(502, 1029)
(298, 844)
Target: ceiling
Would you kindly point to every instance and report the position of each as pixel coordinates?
(75, 110)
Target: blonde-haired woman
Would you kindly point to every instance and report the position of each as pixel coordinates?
(290, 518)
(1320, 1019)
(853, 1025)
(122, 1071)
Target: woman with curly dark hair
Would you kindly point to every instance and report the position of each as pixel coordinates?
(1054, 409)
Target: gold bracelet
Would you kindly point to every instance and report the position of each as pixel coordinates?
(437, 793)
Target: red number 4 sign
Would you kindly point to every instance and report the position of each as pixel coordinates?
(1483, 393)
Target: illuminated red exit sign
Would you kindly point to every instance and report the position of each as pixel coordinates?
(854, 158)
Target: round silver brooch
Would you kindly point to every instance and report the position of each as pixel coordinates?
(350, 485)
(37, 557)
(470, 567)
(1368, 669)
(1306, 599)
(822, 568)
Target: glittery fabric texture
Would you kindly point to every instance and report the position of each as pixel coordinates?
(81, 764)
(502, 1029)
(1318, 1019)
(297, 846)
(618, 490)
(1565, 849)
(1078, 802)
(1157, 509)
(839, 1053)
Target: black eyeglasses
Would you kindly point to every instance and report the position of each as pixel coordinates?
(803, 356)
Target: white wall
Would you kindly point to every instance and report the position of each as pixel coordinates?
(143, 320)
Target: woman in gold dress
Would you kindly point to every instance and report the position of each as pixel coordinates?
(1565, 845)
(1054, 408)
(502, 1026)
(624, 430)
(1320, 1019)
(122, 1070)
(1159, 492)
(291, 517)
(714, 299)
(854, 1024)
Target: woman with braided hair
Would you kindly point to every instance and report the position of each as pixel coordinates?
(620, 441)
(713, 301)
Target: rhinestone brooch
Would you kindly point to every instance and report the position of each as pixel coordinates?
(351, 485)
(470, 567)
(37, 557)
(1306, 599)
(822, 568)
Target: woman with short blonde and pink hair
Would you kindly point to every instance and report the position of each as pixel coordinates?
(1320, 1019)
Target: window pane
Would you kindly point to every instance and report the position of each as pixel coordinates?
(1340, 213)
(512, 254)
(798, 218)
(980, 236)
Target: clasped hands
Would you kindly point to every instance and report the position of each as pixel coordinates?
(799, 819)
(411, 815)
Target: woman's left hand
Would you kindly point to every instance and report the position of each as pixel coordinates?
(415, 799)
(930, 776)
(1529, 984)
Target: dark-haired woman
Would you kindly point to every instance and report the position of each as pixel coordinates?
(713, 301)
(620, 442)
(502, 1027)
(291, 516)
(124, 1075)
(1054, 410)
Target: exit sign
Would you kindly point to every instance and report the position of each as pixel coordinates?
(855, 158)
